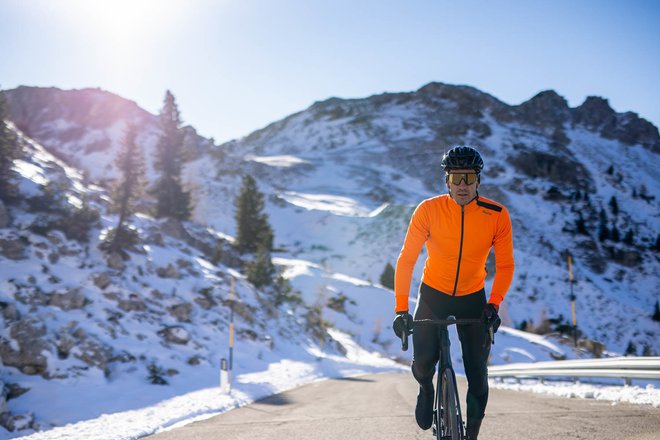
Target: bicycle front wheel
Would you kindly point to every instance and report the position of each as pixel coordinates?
(450, 414)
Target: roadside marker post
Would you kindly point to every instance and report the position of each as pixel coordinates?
(231, 333)
(224, 376)
(571, 281)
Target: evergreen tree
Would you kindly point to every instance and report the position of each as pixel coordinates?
(631, 349)
(656, 313)
(387, 277)
(603, 232)
(252, 227)
(172, 200)
(614, 233)
(261, 271)
(580, 225)
(610, 170)
(9, 151)
(614, 206)
(130, 162)
(628, 238)
(647, 350)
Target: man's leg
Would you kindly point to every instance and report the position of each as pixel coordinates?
(425, 357)
(475, 358)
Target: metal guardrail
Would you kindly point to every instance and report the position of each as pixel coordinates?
(626, 368)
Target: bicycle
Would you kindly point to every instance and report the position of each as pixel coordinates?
(447, 418)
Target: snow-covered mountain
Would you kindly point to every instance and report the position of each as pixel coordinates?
(343, 176)
(341, 179)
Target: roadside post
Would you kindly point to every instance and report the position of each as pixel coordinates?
(571, 281)
(231, 334)
(224, 376)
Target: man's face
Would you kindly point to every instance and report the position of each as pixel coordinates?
(460, 190)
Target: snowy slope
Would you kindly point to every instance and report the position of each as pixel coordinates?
(342, 177)
(341, 180)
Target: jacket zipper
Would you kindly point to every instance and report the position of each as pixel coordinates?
(460, 250)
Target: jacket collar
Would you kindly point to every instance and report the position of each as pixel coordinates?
(471, 205)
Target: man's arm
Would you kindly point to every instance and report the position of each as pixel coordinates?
(418, 233)
(504, 264)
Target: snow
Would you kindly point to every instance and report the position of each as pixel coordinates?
(641, 395)
(284, 161)
(339, 198)
(186, 407)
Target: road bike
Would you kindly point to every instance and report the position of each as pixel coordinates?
(447, 418)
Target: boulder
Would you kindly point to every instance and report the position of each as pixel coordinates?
(132, 304)
(4, 216)
(26, 351)
(19, 422)
(170, 271)
(93, 353)
(181, 312)
(175, 335)
(102, 280)
(13, 248)
(115, 261)
(70, 300)
(9, 311)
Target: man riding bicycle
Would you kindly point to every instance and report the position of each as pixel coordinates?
(459, 230)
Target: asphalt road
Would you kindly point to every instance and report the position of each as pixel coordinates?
(381, 407)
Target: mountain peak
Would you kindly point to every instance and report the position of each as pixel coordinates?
(545, 108)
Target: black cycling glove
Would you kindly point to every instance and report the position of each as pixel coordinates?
(490, 317)
(402, 323)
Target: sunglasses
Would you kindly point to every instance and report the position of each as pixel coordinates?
(457, 178)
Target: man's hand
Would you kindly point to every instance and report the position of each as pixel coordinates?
(490, 317)
(403, 324)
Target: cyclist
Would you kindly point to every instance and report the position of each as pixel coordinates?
(459, 230)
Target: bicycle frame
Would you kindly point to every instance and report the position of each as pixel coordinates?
(441, 418)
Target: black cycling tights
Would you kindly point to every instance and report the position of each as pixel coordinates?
(433, 304)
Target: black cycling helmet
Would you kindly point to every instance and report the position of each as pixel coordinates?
(462, 157)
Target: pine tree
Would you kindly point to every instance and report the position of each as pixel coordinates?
(614, 206)
(387, 277)
(656, 313)
(603, 232)
(130, 162)
(610, 170)
(261, 271)
(647, 350)
(252, 227)
(631, 349)
(614, 233)
(628, 238)
(580, 225)
(9, 151)
(172, 200)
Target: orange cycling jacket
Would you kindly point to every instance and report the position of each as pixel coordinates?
(458, 241)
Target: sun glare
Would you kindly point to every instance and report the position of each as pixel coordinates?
(125, 34)
(124, 20)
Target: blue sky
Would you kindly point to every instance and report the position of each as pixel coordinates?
(237, 65)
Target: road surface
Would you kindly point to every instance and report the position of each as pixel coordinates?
(381, 407)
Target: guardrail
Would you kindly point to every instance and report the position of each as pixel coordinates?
(626, 368)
